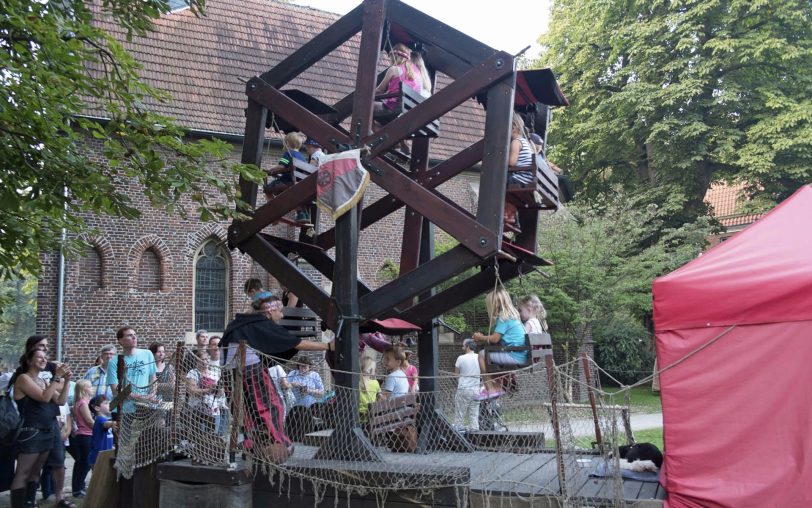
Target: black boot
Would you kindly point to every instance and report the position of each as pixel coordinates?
(18, 498)
(31, 493)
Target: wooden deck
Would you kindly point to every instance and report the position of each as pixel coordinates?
(530, 479)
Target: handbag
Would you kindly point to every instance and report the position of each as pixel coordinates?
(10, 420)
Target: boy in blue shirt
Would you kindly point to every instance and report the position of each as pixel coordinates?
(102, 438)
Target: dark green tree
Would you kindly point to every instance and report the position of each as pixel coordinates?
(56, 61)
(669, 97)
(605, 256)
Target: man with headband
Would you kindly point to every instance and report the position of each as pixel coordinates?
(266, 343)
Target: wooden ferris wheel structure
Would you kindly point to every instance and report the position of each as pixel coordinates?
(475, 70)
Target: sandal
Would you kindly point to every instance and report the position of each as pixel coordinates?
(64, 503)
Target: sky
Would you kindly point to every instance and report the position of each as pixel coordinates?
(515, 25)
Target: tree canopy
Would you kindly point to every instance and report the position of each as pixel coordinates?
(669, 97)
(54, 60)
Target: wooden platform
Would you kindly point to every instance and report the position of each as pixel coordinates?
(527, 479)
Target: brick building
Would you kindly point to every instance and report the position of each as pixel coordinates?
(167, 276)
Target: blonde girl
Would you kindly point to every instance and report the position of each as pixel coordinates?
(80, 443)
(396, 383)
(370, 388)
(402, 70)
(522, 155)
(417, 60)
(533, 314)
(507, 331)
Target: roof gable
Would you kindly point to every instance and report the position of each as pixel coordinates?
(204, 62)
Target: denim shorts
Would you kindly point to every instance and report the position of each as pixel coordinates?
(33, 440)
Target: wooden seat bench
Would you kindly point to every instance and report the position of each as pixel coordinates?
(387, 417)
(408, 99)
(536, 345)
(300, 321)
(540, 193)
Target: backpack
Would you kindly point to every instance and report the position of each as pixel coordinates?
(10, 421)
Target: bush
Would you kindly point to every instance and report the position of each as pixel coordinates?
(623, 348)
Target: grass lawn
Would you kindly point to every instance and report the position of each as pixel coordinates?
(643, 400)
(653, 436)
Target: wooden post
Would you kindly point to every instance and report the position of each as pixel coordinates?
(552, 387)
(179, 378)
(121, 375)
(348, 442)
(237, 408)
(591, 392)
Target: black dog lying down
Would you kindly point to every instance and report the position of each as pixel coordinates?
(641, 452)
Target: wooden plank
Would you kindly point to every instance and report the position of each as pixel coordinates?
(374, 18)
(648, 490)
(661, 492)
(631, 490)
(462, 292)
(294, 113)
(317, 48)
(296, 195)
(428, 275)
(493, 176)
(315, 256)
(503, 471)
(287, 273)
(185, 471)
(439, 210)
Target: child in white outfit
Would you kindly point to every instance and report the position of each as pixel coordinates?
(465, 400)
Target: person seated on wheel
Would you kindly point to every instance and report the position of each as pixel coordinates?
(508, 331)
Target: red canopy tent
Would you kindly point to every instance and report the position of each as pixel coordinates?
(737, 412)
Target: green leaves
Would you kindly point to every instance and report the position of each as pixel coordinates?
(677, 95)
(56, 63)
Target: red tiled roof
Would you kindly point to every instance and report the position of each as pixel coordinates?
(726, 204)
(203, 63)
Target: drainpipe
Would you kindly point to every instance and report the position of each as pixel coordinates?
(60, 294)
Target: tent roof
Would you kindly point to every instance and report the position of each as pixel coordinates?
(761, 275)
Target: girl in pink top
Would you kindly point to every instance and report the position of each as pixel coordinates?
(80, 443)
(411, 373)
(402, 70)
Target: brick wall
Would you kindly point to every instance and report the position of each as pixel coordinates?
(141, 272)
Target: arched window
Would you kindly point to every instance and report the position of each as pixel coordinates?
(90, 268)
(149, 271)
(211, 293)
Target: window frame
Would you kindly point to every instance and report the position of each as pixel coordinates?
(222, 254)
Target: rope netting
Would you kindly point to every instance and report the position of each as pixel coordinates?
(537, 434)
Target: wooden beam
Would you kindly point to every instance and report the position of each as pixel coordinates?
(424, 277)
(316, 257)
(368, 54)
(317, 48)
(344, 106)
(463, 291)
(413, 221)
(458, 223)
(287, 273)
(252, 146)
(298, 116)
(436, 176)
(273, 210)
(493, 177)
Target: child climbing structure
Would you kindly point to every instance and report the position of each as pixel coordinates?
(475, 70)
